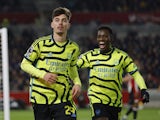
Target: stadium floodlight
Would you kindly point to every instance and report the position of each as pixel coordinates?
(4, 76)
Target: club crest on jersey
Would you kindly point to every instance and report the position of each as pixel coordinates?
(116, 61)
(69, 55)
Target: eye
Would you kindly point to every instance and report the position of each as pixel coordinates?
(56, 19)
(98, 36)
(65, 20)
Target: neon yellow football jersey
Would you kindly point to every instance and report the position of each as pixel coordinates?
(46, 55)
(105, 75)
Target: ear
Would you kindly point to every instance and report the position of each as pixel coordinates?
(69, 25)
(52, 26)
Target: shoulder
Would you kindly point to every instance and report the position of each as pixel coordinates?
(91, 52)
(42, 40)
(121, 52)
(74, 44)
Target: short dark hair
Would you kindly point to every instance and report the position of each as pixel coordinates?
(61, 10)
(105, 27)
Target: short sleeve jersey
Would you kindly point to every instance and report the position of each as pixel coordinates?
(45, 54)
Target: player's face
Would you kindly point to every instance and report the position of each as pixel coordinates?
(104, 39)
(60, 24)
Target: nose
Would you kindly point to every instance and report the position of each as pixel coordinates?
(99, 38)
(60, 22)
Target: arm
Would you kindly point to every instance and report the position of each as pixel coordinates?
(73, 73)
(27, 65)
(33, 71)
(83, 61)
(76, 90)
(139, 80)
(131, 68)
(30, 69)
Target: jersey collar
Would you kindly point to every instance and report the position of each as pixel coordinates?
(56, 43)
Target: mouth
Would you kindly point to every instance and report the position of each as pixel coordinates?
(60, 28)
(102, 45)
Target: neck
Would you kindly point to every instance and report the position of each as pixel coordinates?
(106, 50)
(59, 37)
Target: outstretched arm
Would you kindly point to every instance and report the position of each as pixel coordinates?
(141, 83)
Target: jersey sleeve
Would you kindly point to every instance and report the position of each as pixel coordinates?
(83, 61)
(33, 52)
(139, 80)
(131, 68)
(29, 58)
(29, 68)
(73, 71)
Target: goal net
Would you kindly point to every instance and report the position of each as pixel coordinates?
(4, 76)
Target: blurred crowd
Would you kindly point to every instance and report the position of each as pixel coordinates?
(142, 48)
(112, 5)
(86, 5)
(17, 5)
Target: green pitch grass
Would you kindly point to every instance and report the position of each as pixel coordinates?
(84, 114)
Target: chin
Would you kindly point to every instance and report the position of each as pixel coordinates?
(102, 49)
(60, 33)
